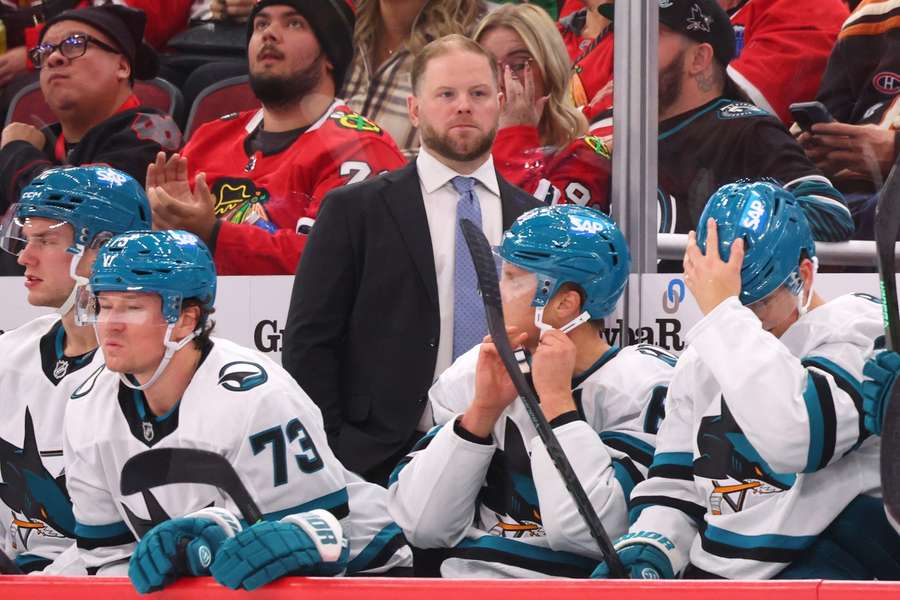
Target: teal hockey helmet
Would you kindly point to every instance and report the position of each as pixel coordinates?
(176, 265)
(570, 244)
(775, 231)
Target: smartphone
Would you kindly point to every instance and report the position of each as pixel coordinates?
(808, 114)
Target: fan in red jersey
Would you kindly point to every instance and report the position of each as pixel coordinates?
(260, 176)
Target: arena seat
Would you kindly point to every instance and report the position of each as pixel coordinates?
(28, 105)
(221, 98)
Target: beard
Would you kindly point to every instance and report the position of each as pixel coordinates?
(670, 83)
(276, 90)
(444, 145)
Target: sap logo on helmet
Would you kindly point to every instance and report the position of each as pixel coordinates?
(755, 216)
(241, 376)
(580, 225)
(110, 176)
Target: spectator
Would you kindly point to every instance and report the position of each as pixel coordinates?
(21, 32)
(708, 139)
(260, 176)
(482, 487)
(381, 305)
(581, 28)
(388, 35)
(860, 90)
(795, 35)
(538, 146)
(89, 58)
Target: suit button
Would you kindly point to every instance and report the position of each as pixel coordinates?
(432, 343)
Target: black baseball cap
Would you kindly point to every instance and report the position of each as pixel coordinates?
(125, 28)
(703, 21)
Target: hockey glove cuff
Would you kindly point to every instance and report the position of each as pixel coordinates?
(184, 546)
(310, 543)
(645, 555)
(882, 370)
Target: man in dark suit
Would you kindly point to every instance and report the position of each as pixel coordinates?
(385, 295)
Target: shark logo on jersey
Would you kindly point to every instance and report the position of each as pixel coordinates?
(241, 376)
(510, 493)
(87, 385)
(39, 502)
(738, 473)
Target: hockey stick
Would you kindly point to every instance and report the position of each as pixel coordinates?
(887, 227)
(166, 466)
(486, 271)
(8, 566)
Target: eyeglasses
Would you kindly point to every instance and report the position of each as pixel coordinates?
(72, 47)
(516, 66)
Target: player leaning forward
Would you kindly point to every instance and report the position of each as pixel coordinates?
(481, 485)
(61, 219)
(167, 383)
(763, 468)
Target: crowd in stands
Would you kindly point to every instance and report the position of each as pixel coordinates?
(341, 141)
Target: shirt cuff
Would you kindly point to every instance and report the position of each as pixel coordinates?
(565, 419)
(467, 435)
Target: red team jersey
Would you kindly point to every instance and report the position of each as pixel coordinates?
(783, 47)
(266, 202)
(580, 173)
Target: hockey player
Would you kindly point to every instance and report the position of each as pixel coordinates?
(763, 445)
(265, 172)
(63, 216)
(480, 485)
(168, 384)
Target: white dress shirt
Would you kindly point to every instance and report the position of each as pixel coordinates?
(440, 208)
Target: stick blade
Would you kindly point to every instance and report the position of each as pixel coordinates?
(166, 466)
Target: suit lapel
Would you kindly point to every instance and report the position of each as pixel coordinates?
(404, 201)
(510, 204)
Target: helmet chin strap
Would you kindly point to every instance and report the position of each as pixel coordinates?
(79, 281)
(584, 317)
(803, 307)
(171, 348)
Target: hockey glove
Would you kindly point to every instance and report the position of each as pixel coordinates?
(643, 555)
(882, 369)
(310, 543)
(184, 546)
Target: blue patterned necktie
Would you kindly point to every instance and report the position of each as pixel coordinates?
(469, 326)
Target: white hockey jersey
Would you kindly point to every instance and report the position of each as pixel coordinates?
(501, 509)
(762, 445)
(36, 379)
(242, 406)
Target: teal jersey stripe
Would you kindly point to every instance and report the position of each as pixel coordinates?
(373, 548)
(509, 546)
(327, 502)
(98, 532)
(770, 540)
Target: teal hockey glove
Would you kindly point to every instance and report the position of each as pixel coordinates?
(178, 547)
(310, 543)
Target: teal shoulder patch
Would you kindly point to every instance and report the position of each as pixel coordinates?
(241, 376)
(740, 110)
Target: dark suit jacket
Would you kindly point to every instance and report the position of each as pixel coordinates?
(362, 330)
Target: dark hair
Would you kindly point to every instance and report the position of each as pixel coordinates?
(204, 322)
(443, 46)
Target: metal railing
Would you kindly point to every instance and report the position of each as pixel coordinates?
(670, 246)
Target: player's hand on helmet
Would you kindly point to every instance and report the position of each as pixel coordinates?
(881, 370)
(310, 543)
(710, 279)
(641, 560)
(179, 547)
(522, 106)
(552, 367)
(494, 390)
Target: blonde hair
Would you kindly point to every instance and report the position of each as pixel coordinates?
(436, 19)
(561, 122)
